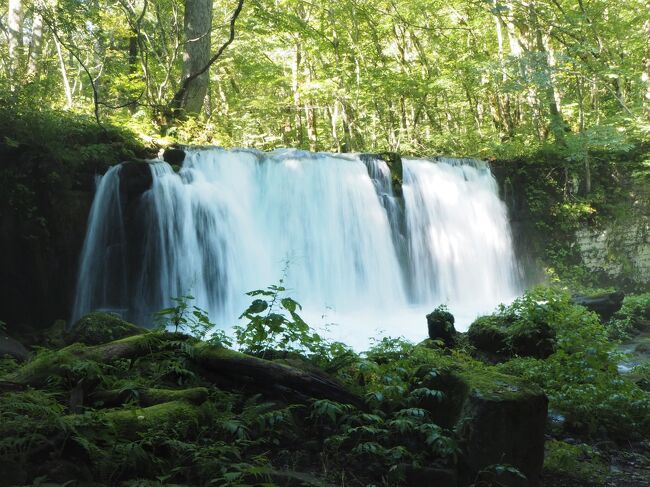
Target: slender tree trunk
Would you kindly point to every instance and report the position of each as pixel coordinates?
(646, 71)
(36, 44)
(64, 74)
(197, 24)
(15, 35)
(295, 85)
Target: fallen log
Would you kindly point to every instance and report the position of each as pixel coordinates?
(150, 397)
(225, 362)
(218, 363)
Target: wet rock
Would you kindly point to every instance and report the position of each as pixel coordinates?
(13, 348)
(604, 304)
(174, 156)
(441, 325)
(99, 327)
(135, 179)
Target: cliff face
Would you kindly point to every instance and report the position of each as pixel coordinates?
(48, 165)
(599, 237)
(619, 251)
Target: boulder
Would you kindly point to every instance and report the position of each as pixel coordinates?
(174, 156)
(13, 348)
(488, 334)
(500, 337)
(56, 335)
(605, 304)
(498, 419)
(135, 179)
(441, 325)
(99, 327)
(502, 422)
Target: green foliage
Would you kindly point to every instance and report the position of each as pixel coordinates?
(27, 421)
(581, 376)
(580, 462)
(192, 320)
(274, 323)
(633, 316)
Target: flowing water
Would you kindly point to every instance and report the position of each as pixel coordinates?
(360, 257)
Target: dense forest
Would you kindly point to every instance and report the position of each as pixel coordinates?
(550, 388)
(414, 77)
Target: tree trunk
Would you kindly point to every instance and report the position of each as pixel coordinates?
(64, 74)
(197, 24)
(36, 44)
(646, 60)
(15, 35)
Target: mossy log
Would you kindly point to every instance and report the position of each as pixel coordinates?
(151, 397)
(268, 375)
(128, 423)
(217, 364)
(55, 362)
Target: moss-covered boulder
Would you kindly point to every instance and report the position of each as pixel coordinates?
(502, 336)
(99, 327)
(488, 334)
(440, 323)
(497, 418)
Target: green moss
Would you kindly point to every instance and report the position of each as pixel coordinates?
(48, 363)
(98, 327)
(488, 334)
(177, 416)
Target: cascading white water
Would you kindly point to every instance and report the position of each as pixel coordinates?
(356, 256)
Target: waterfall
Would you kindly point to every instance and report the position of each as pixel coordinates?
(356, 254)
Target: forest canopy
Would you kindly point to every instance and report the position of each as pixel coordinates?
(416, 76)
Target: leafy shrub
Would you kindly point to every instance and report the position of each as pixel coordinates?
(274, 323)
(581, 376)
(633, 316)
(580, 463)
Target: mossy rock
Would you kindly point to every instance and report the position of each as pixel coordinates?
(440, 323)
(99, 327)
(502, 337)
(488, 334)
(502, 422)
(497, 418)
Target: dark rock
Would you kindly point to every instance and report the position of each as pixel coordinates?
(174, 156)
(56, 335)
(501, 337)
(394, 163)
(441, 325)
(489, 335)
(135, 179)
(503, 422)
(498, 419)
(13, 348)
(421, 475)
(604, 304)
(98, 327)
